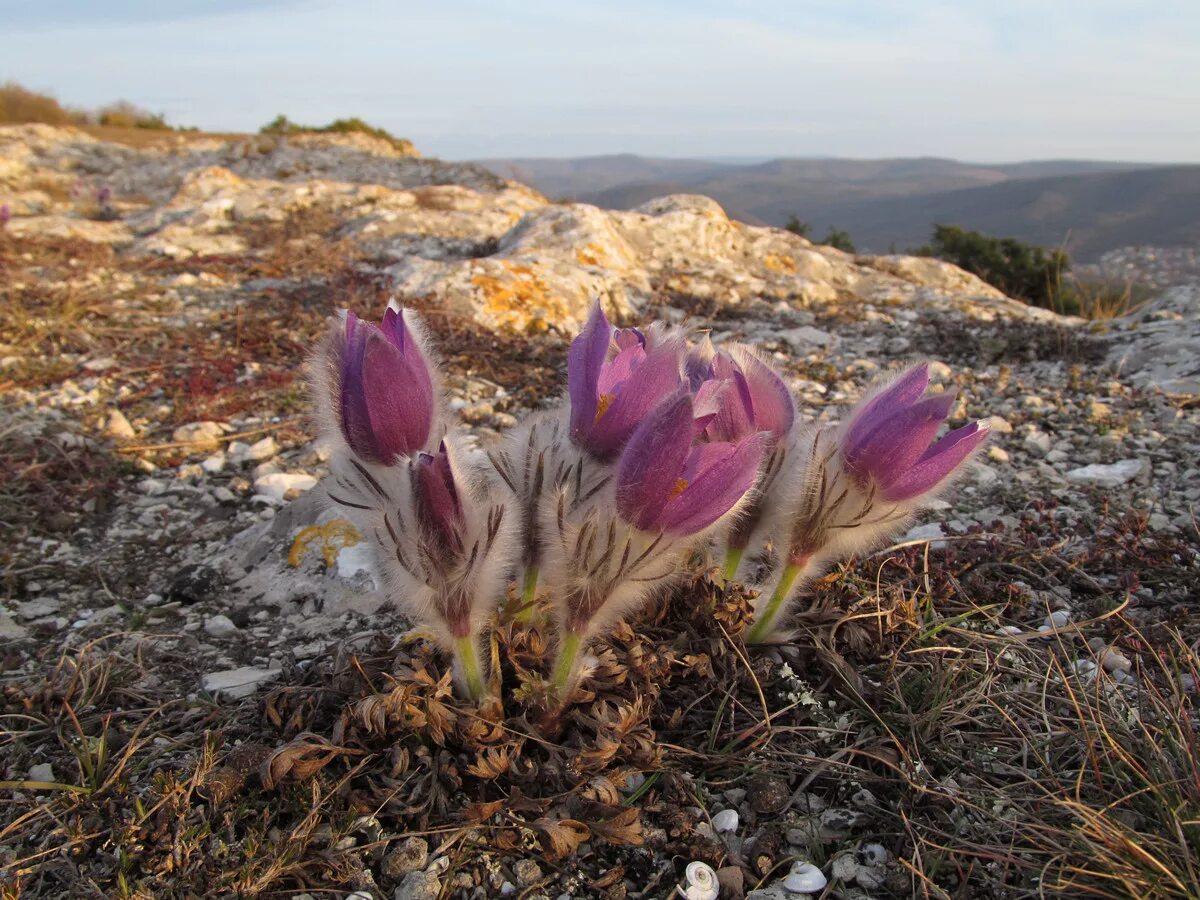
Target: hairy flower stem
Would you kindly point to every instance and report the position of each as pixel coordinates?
(468, 659)
(733, 559)
(528, 594)
(762, 626)
(564, 665)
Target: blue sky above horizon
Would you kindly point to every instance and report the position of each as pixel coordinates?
(983, 81)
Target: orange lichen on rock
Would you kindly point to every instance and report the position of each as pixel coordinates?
(590, 255)
(333, 537)
(520, 298)
(783, 264)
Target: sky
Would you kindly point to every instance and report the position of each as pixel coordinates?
(993, 81)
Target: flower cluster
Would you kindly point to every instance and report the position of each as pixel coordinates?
(662, 445)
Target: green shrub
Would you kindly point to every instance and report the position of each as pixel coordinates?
(795, 226)
(124, 114)
(840, 240)
(1023, 271)
(281, 124)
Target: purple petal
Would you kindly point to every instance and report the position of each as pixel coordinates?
(647, 386)
(722, 474)
(937, 463)
(399, 397)
(356, 416)
(697, 364)
(618, 369)
(772, 401)
(904, 391)
(629, 337)
(584, 360)
(395, 329)
(735, 414)
(899, 441)
(652, 461)
(439, 511)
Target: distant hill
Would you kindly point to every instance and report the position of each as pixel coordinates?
(887, 203)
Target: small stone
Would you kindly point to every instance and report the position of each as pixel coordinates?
(930, 532)
(202, 434)
(1113, 661)
(194, 584)
(769, 795)
(214, 464)
(725, 821)
(262, 450)
(997, 454)
(418, 886)
(282, 486)
(1038, 443)
(998, 425)
(42, 772)
(527, 872)
(117, 427)
(1110, 476)
(410, 856)
(237, 683)
(1010, 630)
(1058, 618)
(220, 626)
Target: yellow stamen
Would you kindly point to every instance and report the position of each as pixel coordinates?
(603, 404)
(679, 488)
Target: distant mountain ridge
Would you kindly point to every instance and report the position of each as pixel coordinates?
(1088, 206)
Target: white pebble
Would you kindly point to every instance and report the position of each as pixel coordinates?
(1010, 630)
(1058, 618)
(725, 820)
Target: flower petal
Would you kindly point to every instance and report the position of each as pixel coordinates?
(735, 413)
(438, 508)
(584, 361)
(774, 407)
(900, 440)
(653, 460)
(399, 397)
(723, 473)
(937, 463)
(655, 379)
(904, 391)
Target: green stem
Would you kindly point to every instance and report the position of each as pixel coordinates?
(564, 666)
(733, 559)
(468, 658)
(528, 594)
(762, 625)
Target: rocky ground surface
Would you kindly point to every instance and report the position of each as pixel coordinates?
(168, 560)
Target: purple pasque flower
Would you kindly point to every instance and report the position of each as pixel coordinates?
(743, 394)
(887, 440)
(666, 483)
(438, 507)
(614, 380)
(386, 389)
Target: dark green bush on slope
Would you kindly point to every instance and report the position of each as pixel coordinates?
(1021, 270)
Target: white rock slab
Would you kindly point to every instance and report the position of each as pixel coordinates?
(1112, 475)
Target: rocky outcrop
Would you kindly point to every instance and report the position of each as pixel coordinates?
(482, 246)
